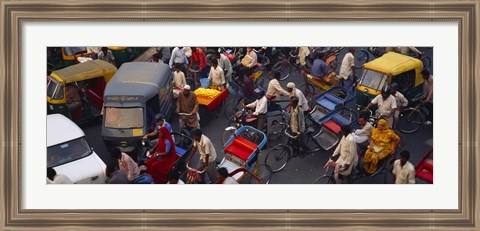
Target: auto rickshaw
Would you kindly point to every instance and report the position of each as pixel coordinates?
(126, 54)
(77, 91)
(70, 54)
(138, 91)
(387, 69)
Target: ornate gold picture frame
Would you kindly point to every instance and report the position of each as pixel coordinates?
(15, 13)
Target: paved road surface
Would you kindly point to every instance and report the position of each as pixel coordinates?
(299, 170)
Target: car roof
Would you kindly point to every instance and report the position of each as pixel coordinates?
(139, 79)
(60, 129)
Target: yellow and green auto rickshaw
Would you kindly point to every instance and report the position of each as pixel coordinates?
(77, 91)
(70, 54)
(387, 69)
(126, 54)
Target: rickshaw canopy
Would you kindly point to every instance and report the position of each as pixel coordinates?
(393, 64)
(143, 79)
(84, 71)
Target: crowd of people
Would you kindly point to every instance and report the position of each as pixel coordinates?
(376, 143)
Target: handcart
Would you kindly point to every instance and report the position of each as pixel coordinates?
(241, 155)
(209, 106)
(331, 125)
(424, 169)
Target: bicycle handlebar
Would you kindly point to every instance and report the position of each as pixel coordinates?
(185, 114)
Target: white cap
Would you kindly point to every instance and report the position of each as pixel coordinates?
(187, 87)
(290, 85)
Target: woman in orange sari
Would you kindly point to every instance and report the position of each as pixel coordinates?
(163, 157)
(382, 144)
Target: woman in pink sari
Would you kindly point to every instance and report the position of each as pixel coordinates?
(163, 157)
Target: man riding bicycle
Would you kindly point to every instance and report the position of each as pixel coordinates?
(260, 106)
(347, 155)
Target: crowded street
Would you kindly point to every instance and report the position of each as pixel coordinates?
(312, 131)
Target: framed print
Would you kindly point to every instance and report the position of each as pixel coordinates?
(449, 28)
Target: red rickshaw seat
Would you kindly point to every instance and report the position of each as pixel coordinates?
(332, 126)
(241, 147)
(425, 171)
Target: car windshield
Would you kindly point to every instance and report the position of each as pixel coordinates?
(124, 117)
(373, 80)
(54, 88)
(74, 50)
(67, 152)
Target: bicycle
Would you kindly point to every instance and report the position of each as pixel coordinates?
(410, 119)
(329, 178)
(278, 157)
(285, 65)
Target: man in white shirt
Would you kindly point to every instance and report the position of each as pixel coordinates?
(302, 52)
(179, 81)
(216, 75)
(178, 56)
(274, 89)
(260, 106)
(347, 69)
(347, 152)
(208, 155)
(299, 94)
(107, 55)
(225, 64)
(386, 105)
(253, 56)
(363, 134)
(54, 178)
(403, 171)
(400, 100)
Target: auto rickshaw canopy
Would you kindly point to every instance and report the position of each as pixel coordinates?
(84, 71)
(393, 64)
(145, 79)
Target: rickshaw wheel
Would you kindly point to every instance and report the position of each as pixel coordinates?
(262, 172)
(278, 157)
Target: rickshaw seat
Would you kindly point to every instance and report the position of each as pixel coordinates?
(241, 147)
(332, 126)
(329, 101)
(339, 119)
(180, 151)
(425, 171)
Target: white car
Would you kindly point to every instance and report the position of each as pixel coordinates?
(69, 154)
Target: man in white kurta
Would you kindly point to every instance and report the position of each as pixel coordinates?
(403, 171)
(216, 75)
(301, 97)
(365, 132)
(347, 151)
(386, 106)
(347, 72)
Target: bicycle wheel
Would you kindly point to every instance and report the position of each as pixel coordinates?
(230, 108)
(278, 157)
(410, 120)
(313, 139)
(226, 135)
(308, 90)
(427, 62)
(284, 68)
(276, 135)
(361, 57)
(262, 172)
(324, 180)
